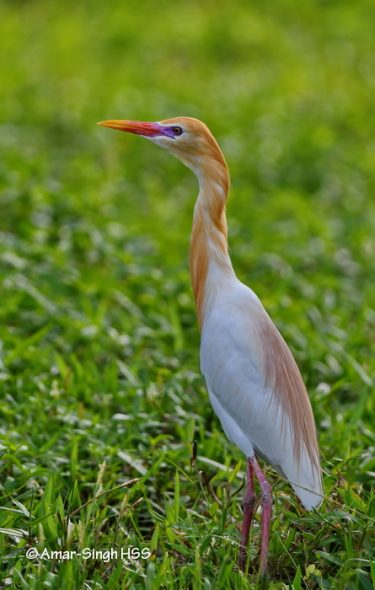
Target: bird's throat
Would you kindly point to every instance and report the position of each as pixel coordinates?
(209, 258)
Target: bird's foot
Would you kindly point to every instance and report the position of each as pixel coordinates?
(262, 581)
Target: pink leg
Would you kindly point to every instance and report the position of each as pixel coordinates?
(266, 515)
(248, 513)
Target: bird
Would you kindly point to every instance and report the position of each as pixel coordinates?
(254, 384)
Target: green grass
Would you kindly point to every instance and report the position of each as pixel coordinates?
(102, 396)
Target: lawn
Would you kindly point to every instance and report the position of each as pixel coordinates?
(107, 437)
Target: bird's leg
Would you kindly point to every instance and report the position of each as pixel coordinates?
(266, 516)
(249, 502)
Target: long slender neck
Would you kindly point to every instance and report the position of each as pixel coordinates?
(209, 258)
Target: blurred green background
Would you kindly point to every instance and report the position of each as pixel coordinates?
(99, 343)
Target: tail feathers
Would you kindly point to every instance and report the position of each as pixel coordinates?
(310, 498)
(306, 481)
(304, 477)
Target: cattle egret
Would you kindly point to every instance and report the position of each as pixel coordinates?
(253, 381)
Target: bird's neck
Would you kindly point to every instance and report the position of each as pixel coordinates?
(209, 258)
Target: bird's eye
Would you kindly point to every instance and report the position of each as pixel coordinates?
(177, 130)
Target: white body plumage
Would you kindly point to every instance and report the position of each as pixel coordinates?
(233, 364)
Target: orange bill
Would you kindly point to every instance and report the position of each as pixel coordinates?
(138, 127)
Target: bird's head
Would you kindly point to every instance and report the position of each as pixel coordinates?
(187, 138)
